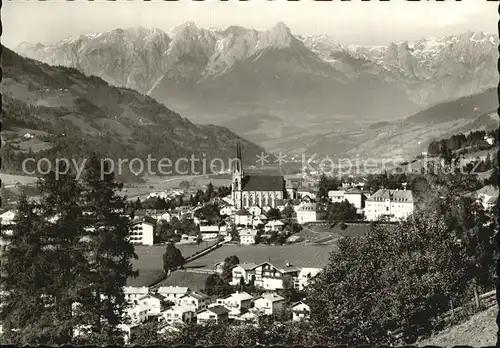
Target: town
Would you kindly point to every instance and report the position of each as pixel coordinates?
(256, 209)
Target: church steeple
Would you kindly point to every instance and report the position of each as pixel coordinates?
(239, 163)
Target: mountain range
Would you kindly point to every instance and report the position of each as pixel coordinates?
(58, 112)
(279, 89)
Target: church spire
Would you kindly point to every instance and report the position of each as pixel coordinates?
(239, 163)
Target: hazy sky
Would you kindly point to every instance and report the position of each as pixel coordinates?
(352, 22)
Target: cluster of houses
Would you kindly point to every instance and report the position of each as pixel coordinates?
(174, 305)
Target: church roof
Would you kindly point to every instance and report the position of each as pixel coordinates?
(263, 183)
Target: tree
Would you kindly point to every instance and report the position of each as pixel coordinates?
(273, 214)
(199, 239)
(288, 214)
(215, 285)
(172, 258)
(229, 263)
(138, 204)
(325, 184)
(343, 211)
(108, 251)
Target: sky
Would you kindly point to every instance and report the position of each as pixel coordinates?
(350, 22)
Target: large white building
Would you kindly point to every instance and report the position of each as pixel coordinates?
(389, 205)
(309, 212)
(354, 196)
(266, 275)
(142, 233)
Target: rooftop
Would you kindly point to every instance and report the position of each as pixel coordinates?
(263, 183)
(173, 290)
(404, 196)
(272, 297)
(219, 310)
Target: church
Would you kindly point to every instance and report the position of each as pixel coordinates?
(255, 189)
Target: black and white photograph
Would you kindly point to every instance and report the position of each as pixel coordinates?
(246, 173)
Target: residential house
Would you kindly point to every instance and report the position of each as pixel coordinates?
(305, 275)
(237, 303)
(255, 210)
(142, 232)
(301, 311)
(209, 232)
(177, 314)
(270, 275)
(196, 298)
(228, 210)
(137, 313)
(274, 225)
(269, 303)
(306, 192)
(247, 236)
(215, 314)
(242, 217)
(390, 205)
(133, 293)
(245, 271)
(173, 293)
(154, 303)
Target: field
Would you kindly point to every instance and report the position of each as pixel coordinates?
(478, 331)
(323, 234)
(195, 281)
(150, 263)
(297, 254)
(10, 180)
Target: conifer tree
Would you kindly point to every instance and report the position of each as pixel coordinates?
(108, 253)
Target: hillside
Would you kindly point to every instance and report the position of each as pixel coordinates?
(409, 137)
(57, 111)
(479, 331)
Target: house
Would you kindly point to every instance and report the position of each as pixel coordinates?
(209, 232)
(245, 271)
(247, 236)
(309, 212)
(188, 239)
(255, 210)
(336, 196)
(7, 218)
(270, 275)
(301, 311)
(216, 314)
(133, 293)
(154, 303)
(306, 192)
(274, 225)
(489, 139)
(305, 275)
(137, 313)
(269, 303)
(237, 303)
(173, 293)
(195, 298)
(142, 232)
(390, 205)
(177, 314)
(227, 210)
(242, 217)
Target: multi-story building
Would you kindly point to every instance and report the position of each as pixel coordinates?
(177, 314)
(309, 212)
(354, 196)
(142, 233)
(305, 275)
(245, 271)
(134, 293)
(269, 303)
(247, 236)
(389, 205)
(214, 314)
(173, 293)
(270, 276)
(194, 298)
(237, 303)
(301, 311)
